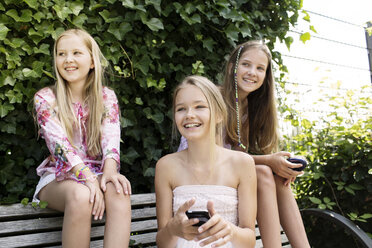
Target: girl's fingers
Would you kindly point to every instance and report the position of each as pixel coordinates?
(222, 236)
(117, 184)
(92, 193)
(102, 211)
(125, 185)
(186, 206)
(129, 187)
(103, 183)
(96, 207)
(222, 241)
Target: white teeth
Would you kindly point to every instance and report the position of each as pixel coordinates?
(70, 69)
(192, 125)
(248, 81)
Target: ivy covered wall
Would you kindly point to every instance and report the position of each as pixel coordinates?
(150, 44)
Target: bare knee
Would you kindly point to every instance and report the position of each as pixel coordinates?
(265, 178)
(116, 202)
(77, 202)
(280, 186)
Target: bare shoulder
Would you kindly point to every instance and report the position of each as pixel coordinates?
(241, 161)
(241, 157)
(170, 162)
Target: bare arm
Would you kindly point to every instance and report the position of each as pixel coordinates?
(170, 227)
(278, 163)
(244, 234)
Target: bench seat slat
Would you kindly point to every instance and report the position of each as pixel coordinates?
(8, 227)
(25, 226)
(19, 210)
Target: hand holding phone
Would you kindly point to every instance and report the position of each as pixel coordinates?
(298, 161)
(203, 216)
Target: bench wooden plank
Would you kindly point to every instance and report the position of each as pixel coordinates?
(19, 210)
(24, 226)
(30, 225)
(54, 237)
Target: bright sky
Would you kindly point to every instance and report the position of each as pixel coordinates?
(315, 79)
(356, 12)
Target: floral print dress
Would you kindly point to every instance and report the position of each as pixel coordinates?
(64, 155)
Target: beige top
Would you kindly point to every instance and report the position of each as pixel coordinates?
(225, 200)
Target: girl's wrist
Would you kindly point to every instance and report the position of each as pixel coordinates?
(110, 166)
(84, 174)
(169, 228)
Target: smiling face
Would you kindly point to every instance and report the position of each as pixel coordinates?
(73, 59)
(251, 72)
(192, 112)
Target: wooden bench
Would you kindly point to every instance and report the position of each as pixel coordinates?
(25, 226)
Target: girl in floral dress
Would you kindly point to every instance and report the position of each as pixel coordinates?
(205, 176)
(79, 119)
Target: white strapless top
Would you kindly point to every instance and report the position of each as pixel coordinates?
(224, 198)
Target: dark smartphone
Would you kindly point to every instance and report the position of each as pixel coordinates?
(203, 216)
(298, 161)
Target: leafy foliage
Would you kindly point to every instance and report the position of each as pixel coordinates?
(339, 150)
(150, 45)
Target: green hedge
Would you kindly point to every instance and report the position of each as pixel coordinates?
(339, 150)
(150, 44)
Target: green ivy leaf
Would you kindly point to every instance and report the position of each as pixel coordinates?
(13, 14)
(139, 101)
(208, 44)
(5, 108)
(306, 17)
(9, 81)
(44, 49)
(3, 31)
(288, 42)
(158, 117)
(80, 20)
(155, 3)
(26, 16)
(155, 24)
(25, 201)
(305, 37)
(348, 189)
(245, 30)
(76, 7)
(326, 200)
(43, 204)
(313, 29)
(366, 216)
(355, 186)
(232, 32)
(32, 3)
(315, 200)
(27, 72)
(322, 206)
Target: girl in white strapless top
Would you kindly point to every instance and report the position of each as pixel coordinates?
(205, 176)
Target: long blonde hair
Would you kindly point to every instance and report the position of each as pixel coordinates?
(216, 105)
(259, 131)
(92, 94)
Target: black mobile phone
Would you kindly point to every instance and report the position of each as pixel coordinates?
(203, 216)
(298, 161)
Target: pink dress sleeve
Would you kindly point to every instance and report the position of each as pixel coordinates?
(110, 130)
(63, 153)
